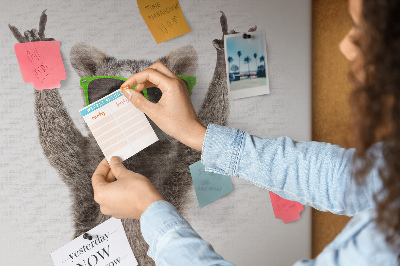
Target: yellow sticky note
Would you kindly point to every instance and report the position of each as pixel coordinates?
(164, 18)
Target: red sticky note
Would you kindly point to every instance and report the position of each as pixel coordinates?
(41, 63)
(284, 209)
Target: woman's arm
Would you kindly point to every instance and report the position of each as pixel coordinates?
(312, 173)
(315, 174)
(126, 194)
(172, 240)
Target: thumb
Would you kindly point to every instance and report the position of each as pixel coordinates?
(138, 100)
(117, 168)
(99, 176)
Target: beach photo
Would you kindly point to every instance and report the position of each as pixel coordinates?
(246, 64)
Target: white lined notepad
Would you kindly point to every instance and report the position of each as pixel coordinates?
(118, 126)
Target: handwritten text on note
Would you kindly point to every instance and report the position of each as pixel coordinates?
(209, 186)
(41, 63)
(164, 18)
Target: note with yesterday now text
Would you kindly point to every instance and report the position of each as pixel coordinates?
(107, 246)
(164, 18)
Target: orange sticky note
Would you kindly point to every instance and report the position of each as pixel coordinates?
(41, 63)
(164, 18)
(287, 210)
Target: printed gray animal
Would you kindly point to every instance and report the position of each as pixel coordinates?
(165, 163)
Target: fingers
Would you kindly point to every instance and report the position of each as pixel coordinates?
(32, 35)
(117, 167)
(143, 86)
(17, 34)
(27, 36)
(224, 23)
(157, 75)
(35, 35)
(139, 101)
(160, 67)
(99, 176)
(159, 80)
(110, 177)
(42, 25)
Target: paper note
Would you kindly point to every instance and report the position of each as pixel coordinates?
(108, 246)
(41, 63)
(118, 126)
(209, 186)
(164, 18)
(284, 209)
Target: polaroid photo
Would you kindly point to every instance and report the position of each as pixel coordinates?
(246, 64)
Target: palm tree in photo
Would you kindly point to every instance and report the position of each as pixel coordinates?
(234, 68)
(262, 59)
(255, 57)
(247, 60)
(230, 60)
(239, 54)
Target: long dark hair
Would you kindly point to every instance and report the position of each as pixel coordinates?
(375, 103)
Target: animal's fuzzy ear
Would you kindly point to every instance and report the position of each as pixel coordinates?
(183, 61)
(85, 59)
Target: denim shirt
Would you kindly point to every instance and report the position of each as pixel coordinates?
(312, 173)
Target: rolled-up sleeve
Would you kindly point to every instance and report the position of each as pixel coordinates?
(313, 173)
(172, 240)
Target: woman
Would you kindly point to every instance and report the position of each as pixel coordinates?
(316, 174)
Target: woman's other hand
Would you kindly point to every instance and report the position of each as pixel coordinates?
(128, 196)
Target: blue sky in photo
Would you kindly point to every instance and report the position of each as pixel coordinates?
(248, 47)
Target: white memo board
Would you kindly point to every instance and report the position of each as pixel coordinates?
(35, 214)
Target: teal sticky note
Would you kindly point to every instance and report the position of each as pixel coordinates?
(209, 186)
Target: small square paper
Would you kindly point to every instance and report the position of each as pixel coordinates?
(118, 126)
(41, 63)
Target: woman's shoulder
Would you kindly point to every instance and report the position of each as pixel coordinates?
(366, 242)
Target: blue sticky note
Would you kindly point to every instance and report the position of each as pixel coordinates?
(209, 186)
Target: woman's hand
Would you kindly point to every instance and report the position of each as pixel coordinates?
(174, 112)
(128, 196)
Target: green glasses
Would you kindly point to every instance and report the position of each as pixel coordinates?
(97, 87)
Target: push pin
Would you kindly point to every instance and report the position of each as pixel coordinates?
(87, 236)
(246, 36)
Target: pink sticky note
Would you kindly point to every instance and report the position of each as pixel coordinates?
(284, 209)
(41, 63)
